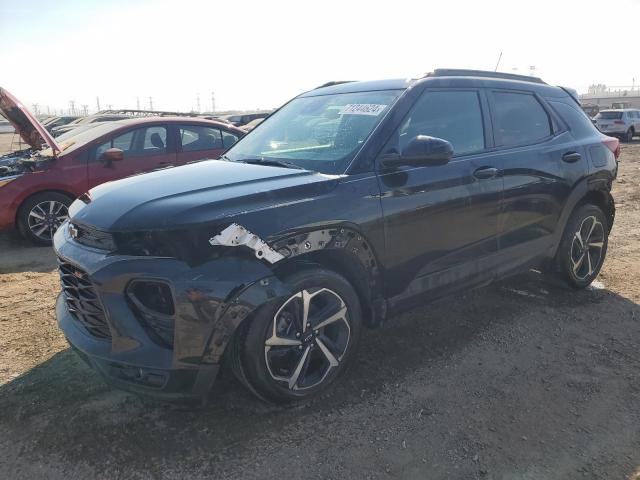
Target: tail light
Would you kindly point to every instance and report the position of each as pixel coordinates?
(612, 144)
(619, 122)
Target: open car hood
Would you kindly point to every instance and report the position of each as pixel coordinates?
(29, 128)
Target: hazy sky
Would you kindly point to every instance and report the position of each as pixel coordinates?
(258, 53)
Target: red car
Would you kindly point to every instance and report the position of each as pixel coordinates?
(38, 184)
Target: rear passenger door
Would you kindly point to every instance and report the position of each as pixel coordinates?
(539, 160)
(144, 149)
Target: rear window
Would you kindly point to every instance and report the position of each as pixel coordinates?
(609, 116)
(579, 124)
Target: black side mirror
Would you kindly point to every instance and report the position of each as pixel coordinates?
(112, 155)
(421, 151)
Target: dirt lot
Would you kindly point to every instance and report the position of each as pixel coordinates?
(521, 380)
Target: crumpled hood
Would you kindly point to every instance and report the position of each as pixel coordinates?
(29, 128)
(199, 193)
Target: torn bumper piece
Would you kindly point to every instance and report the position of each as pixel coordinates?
(236, 235)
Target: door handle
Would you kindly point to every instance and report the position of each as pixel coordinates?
(485, 172)
(571, 157)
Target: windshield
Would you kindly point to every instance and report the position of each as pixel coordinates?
(609, 115)
(321, 133)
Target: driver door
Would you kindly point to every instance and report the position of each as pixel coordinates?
(144, 149)
(441, 222)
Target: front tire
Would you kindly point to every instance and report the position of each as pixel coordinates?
(295, 348)
(40, 216)
(584, 246)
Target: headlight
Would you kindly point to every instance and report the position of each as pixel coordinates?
(5, 180)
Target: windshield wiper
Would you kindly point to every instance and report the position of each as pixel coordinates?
(270, 162)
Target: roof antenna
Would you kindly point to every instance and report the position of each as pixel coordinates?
(499, 58)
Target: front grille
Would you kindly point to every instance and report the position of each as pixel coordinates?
(82, 300)
(92, 237)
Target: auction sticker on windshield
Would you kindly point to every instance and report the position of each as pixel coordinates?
(362, 109)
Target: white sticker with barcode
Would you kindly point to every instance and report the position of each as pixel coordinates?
(362, 109)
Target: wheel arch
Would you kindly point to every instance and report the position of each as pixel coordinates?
(595, 191)
(343, 250)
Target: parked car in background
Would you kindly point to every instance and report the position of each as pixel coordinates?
(54, 122)
(242, 119)
(274, 257)
(38, 184)
(252, 124)
(622, 123)
(88, 120)
(6, 127)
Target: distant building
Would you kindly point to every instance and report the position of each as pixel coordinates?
(606, 97)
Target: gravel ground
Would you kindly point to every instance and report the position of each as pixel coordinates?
(521, 380)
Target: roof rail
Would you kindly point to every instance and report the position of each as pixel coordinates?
(455, 72)
(144, 113)
(331, 84)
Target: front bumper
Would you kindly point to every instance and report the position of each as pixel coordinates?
(210, 299)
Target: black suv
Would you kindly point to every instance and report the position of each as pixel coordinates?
(349, 203)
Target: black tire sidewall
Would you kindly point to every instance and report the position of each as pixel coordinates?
(252, 345)
(25, 208)
(564, 253)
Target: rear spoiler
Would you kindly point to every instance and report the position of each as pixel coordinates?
(573, 93)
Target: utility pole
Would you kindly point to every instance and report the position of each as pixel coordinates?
(532, 70)
(35, 109)
(98, 103)
(109, 106)
(198, 101)
(48, 110)
(213, 102)
(85, 110)
(72, 104)
(138, 103)
(151, 103)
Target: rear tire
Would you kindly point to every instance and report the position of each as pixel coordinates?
(285, 354)
(40, 216)
(584, 246)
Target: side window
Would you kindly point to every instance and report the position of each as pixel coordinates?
(579, 124)
(228, 139)
(155, 141)
(519, 119)
(123, 142)
(454, 116)
(196, 138)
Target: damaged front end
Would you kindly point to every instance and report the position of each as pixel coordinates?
(16, 164)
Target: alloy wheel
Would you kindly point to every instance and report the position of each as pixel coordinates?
(45, 218)
(586, 247)
(308, 337)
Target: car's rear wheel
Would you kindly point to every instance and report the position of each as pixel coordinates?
(295, 348)
(40, 216)
(584, 246)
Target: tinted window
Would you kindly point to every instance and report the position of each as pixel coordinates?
(195, 138)
(519, 119)
(454, 116)
(155, 141)
(578, 122)
(609, 116)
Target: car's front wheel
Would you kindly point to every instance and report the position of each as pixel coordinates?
(295, 348)
(584, 246)
(40, 216)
